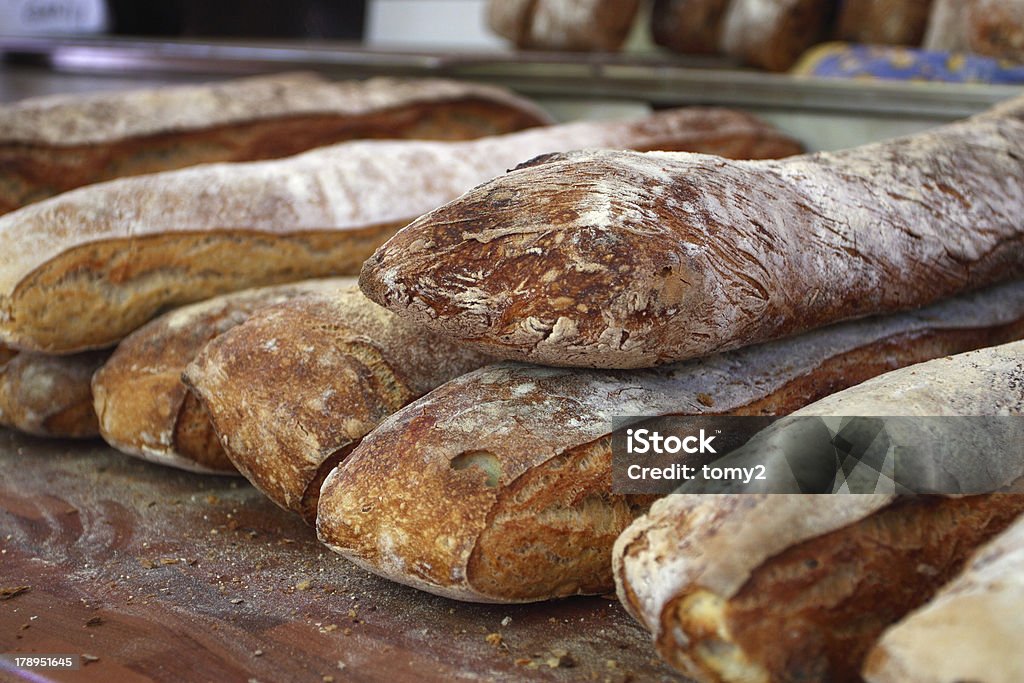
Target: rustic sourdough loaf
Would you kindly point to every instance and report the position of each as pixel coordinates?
(717, 579)
(496, 486)
(49, 395)
(888, 22)
(144, 408)
(971, 629)
(52, 144)
(563, 24)
(688, 26)
(295, 387)
(772, 34)
(83, 269)
(622, 259)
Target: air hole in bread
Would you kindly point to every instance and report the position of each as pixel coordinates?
(485, 461)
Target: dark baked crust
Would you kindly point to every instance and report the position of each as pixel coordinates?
(888, 22)
(772, 34)
(812, 612)
(688, 26)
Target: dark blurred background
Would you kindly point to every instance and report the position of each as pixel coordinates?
(333, 19)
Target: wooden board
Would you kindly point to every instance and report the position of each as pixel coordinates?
(169, 576)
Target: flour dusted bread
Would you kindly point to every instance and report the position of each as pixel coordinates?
(496, 487)
(83, 269)
(143, 407)
(293, 389)
(970, 630)
(622, 259)
(49, 395)
(563, 24)
(53, 144)
(717, 579)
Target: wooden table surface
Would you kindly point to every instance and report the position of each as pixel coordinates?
(163, 575)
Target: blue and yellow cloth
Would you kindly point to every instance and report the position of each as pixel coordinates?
(845, 60)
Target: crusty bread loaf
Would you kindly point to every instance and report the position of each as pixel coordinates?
(293, 389)
(143, 407)
(621, 259)
(718, 578)
(52, 144)
(83, 269)
(792, 587)
(563, 24)
(772, 34)
(887, 22)
(970, 631)
(688, 26)
(496, 486)
(48, 395)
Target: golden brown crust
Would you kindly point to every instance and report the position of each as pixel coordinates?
(144, 408)
(996, 28)
(158, 272)
(340, 364)
(48, 395)
(495, 487)
(634, 260)
(117, 252)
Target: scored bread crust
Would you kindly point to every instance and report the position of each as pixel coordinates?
(291, 390)
(521, 455)
(49, 395)
(144, 408)
(54, 144)
(115, 253)
(68, 120)
(970, 630)
(678, 568)
(625, 259)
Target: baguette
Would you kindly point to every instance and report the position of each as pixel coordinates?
(293, 389)
(53, 144)
(84, 269)
(621, 259)
(887, 22)
(717, 579)
(48, 395)
(143, 407)
(970, 631)
(496, 487)
(688, 26)
(563, 24)
(772, 34)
